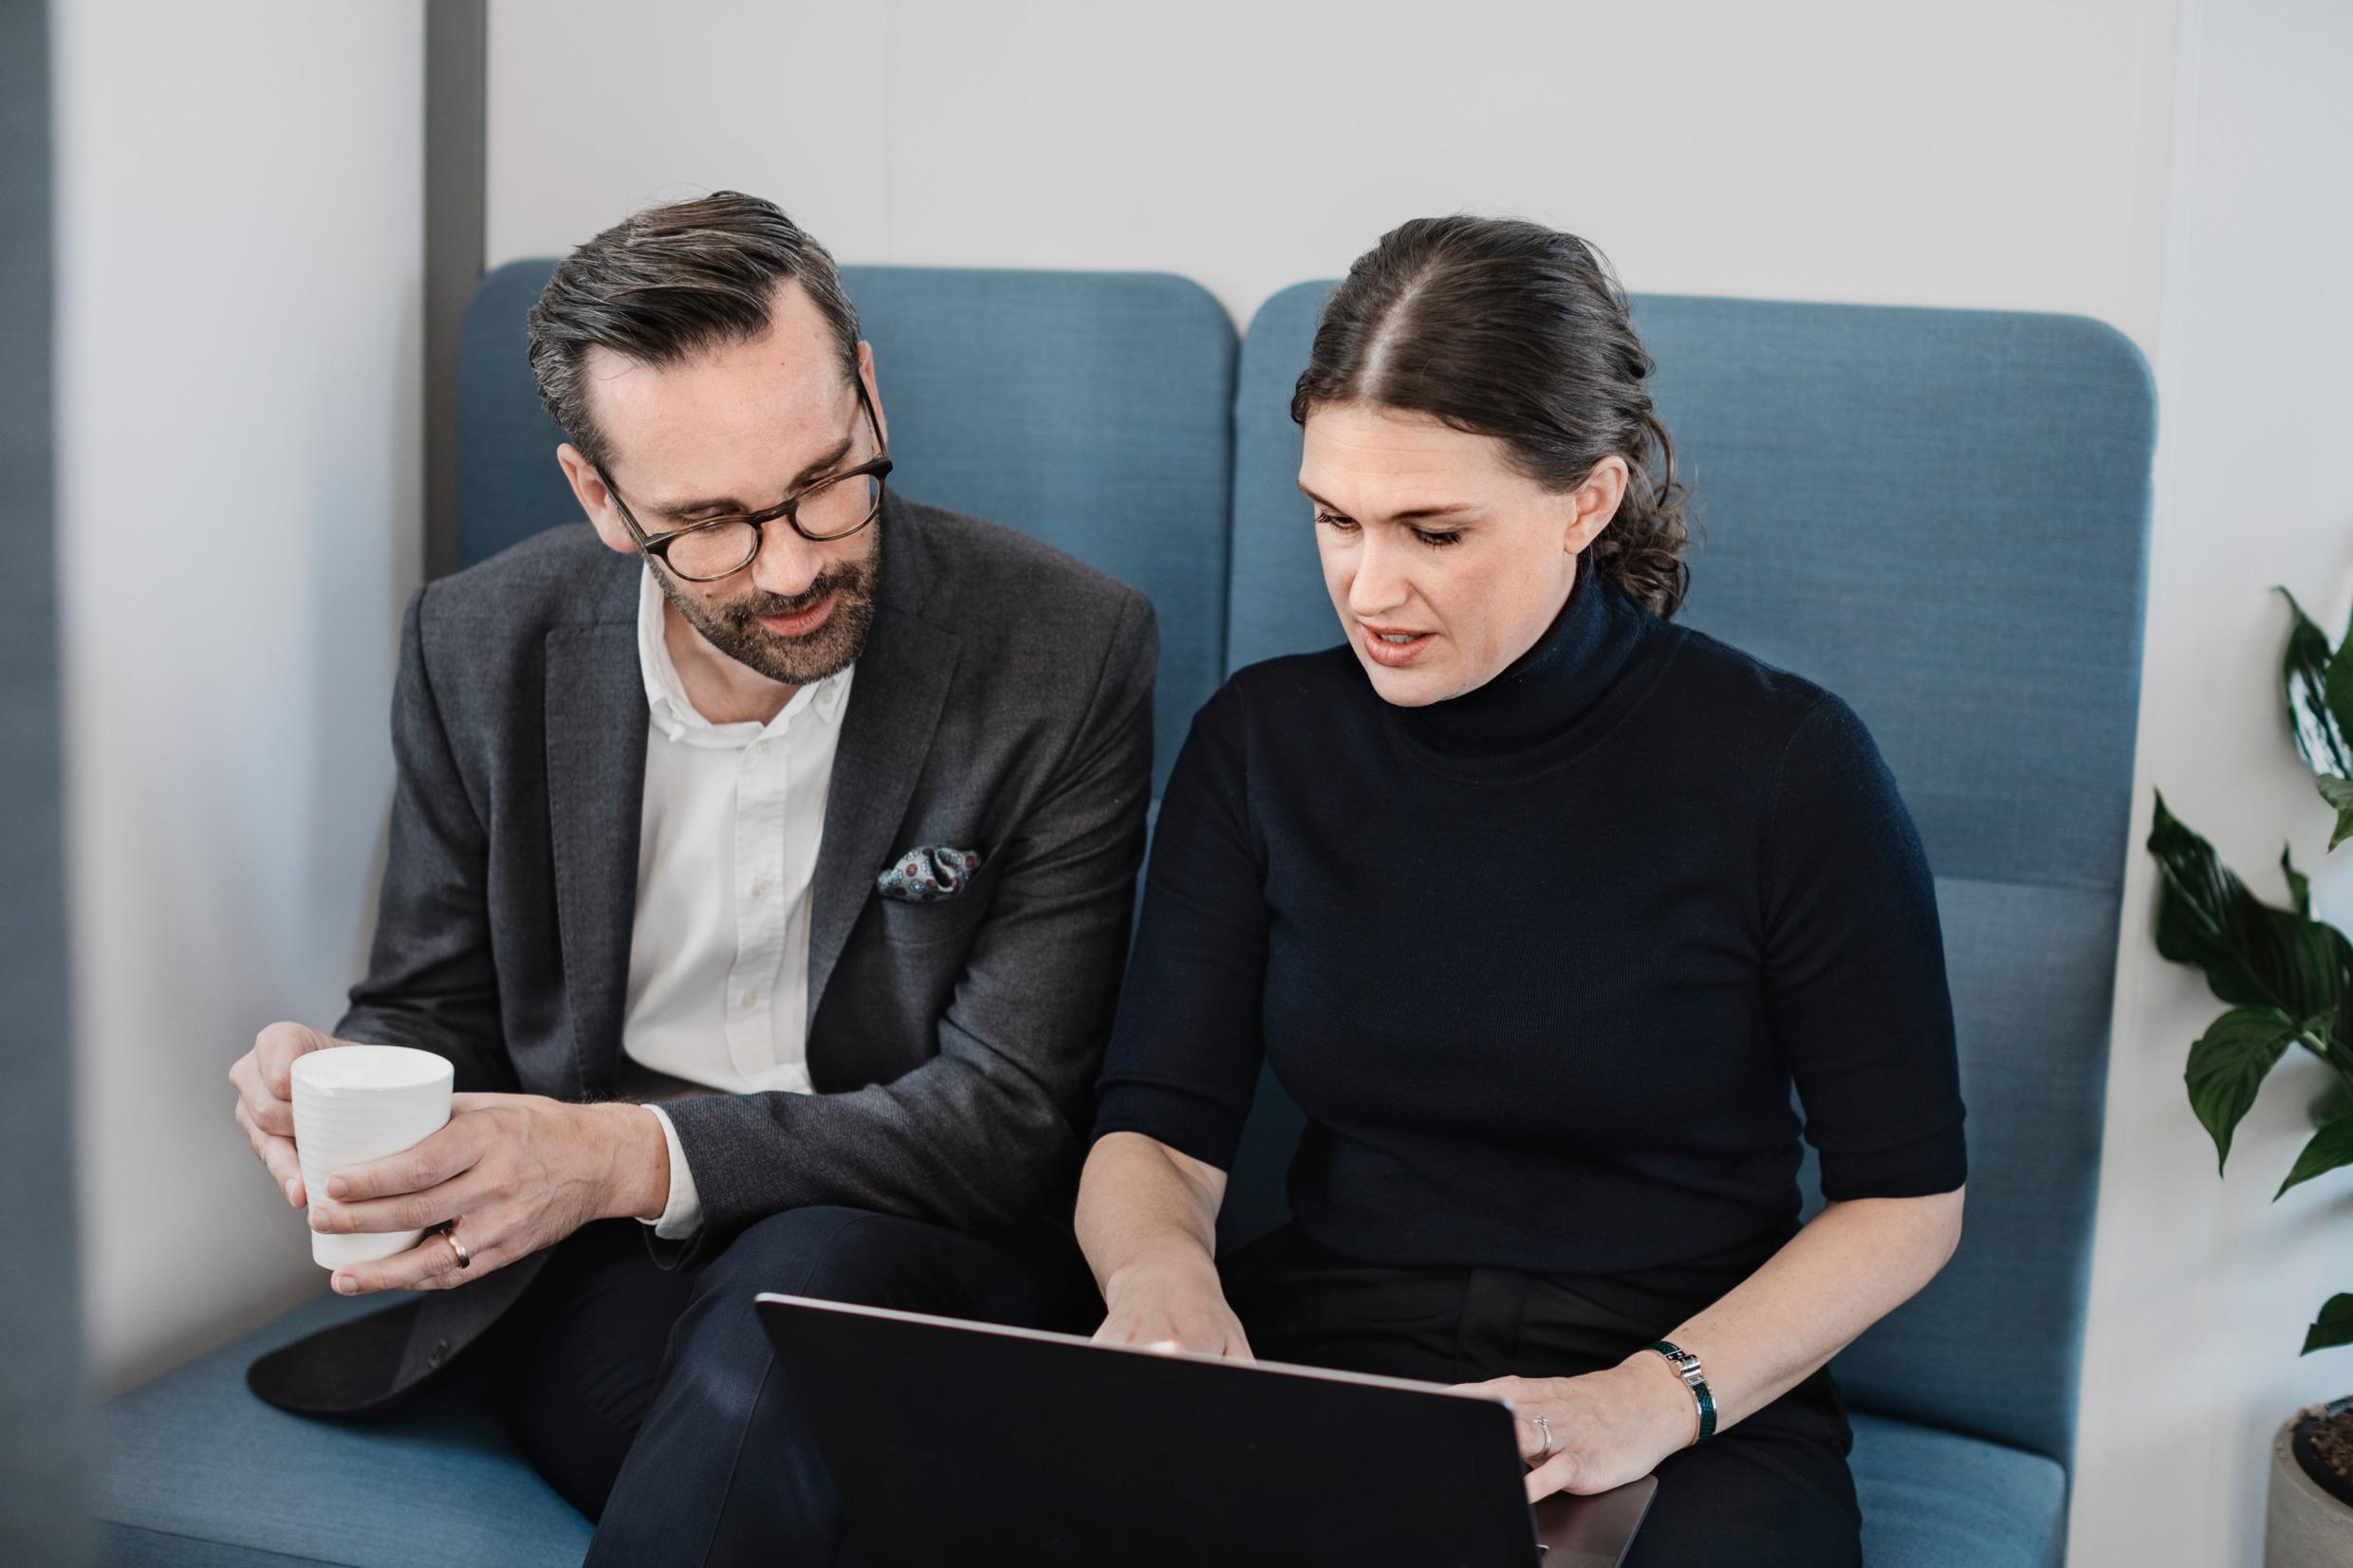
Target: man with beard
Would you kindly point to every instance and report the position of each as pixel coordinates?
(809, 812)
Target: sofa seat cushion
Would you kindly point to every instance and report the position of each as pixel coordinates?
(196, 1472)
(1936, 1499)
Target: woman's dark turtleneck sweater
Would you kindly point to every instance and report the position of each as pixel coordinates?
(1533, 713)
(1541, 962)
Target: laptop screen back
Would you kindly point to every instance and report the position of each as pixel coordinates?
(965, 1443)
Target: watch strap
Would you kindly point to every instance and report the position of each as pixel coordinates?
(1687, 1367)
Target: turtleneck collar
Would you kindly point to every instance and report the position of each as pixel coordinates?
(1545, 700)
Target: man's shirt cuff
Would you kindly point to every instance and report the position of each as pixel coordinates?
(683, 1214)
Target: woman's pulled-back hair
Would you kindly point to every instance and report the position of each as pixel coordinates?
(1514, 330)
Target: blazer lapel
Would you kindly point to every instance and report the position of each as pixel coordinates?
(596, 783)
(895, 705)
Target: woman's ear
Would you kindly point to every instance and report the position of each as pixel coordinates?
(1592, 503)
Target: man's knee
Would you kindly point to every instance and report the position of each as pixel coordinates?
(827, 1250)
(720, 1354)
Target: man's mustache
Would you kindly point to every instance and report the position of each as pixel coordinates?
(849, 582)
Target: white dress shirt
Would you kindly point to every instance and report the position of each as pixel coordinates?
(727, 846)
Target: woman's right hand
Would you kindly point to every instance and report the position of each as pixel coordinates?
(1172, 1301)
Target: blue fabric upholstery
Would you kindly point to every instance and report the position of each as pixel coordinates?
(1937, 1499)
(198, 1471)
(1942, 516)
(1089, 409)
(509, 486)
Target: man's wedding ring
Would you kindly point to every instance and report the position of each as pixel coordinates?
(465, 1259)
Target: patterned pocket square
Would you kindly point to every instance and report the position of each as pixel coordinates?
(927, 874)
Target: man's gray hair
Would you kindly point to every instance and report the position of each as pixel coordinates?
(667, 283)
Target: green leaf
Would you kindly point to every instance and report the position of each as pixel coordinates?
(2337, 688)
(2306, 669)
(2254, 955)
(2332, 1146)
(2299, 886)
(2338, 793)
(2228, 1064)
(2333, 1327)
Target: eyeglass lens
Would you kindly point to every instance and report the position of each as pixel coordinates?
(827, 512)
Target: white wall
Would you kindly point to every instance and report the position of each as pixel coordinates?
(2201, 1288)
(240, 268)
(2008, 152)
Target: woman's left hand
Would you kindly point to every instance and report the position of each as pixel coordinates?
(1607, 1427)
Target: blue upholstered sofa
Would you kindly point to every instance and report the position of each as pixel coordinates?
(1941, 515)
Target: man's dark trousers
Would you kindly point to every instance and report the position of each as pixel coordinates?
(649, 1397)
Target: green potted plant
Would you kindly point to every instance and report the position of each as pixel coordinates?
(2288, 980)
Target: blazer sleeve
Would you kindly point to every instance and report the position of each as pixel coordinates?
(430, 980)
(1854, 967)
(986, 1135)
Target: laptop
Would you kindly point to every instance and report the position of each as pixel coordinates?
(964, 1442)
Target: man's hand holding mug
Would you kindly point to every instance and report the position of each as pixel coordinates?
(515, 1173)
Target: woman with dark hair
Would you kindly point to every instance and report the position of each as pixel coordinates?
(1540, 906)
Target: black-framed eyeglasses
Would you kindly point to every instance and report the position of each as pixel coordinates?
(832, 508)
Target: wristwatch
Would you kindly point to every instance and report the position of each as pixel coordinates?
(1686, 1366)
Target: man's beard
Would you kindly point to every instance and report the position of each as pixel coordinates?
(733, 628)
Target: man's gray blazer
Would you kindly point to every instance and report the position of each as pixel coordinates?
(1003, 704)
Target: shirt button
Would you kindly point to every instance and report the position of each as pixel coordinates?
(759, 890)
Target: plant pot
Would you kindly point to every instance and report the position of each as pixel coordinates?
(2309, 1523)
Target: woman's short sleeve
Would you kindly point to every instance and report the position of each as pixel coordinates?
(1184, 1061)
(1855, 975)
